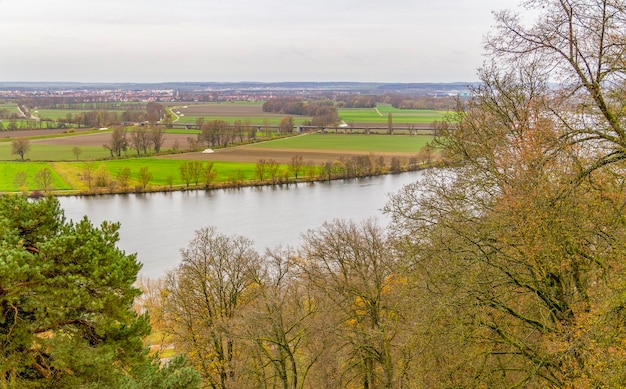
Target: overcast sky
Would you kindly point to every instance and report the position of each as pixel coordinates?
(244, 40)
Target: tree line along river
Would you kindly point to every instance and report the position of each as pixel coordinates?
(157, 225)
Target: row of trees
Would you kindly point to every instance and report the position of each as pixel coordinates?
(101, 178)
(323, 112)
(329, 315)
(85, 102)
(109, 115)
(141, 139)
(446, 103)
(221, 133)
(356, 101)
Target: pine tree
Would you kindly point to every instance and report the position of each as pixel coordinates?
(66, 296)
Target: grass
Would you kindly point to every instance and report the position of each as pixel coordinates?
(68, 175)
(365, 143)
(10, 170)
(56, 114)
(162, 169)
(399, 116)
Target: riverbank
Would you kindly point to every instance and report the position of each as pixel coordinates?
(221, 185)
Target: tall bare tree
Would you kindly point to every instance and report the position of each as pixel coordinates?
(580, 46)
(355, 268)
(203, 297)
(517, 246)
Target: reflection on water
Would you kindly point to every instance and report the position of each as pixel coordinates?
(157, 225)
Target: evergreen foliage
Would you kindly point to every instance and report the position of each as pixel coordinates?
(66, 297)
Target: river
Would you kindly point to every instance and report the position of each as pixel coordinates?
(157, 225)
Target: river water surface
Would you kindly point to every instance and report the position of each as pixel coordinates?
(157, 225)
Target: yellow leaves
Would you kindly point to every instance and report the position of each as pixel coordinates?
(392, 282)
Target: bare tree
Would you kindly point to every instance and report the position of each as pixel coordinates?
(260, 169)
(44, 179)
(118, 142)
(123, 176)
(77, 151)
(185, 173)
(20, 146)
(286, 124)
(140, 139)
(272, 168)
(356, 269)
(209, 174)
(514, 244)
(203, 297)
(145, 176)
(296, 165)
(192, 171)
(580, 45)
(279, 325)
(21, 179)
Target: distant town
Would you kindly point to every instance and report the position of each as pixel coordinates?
(215, 91)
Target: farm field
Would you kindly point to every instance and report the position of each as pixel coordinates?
(10, 107)
(10, 170)
(356, 142)
(379, 114)
(318, 148)
(56, 114)
(60, 148)
(55, 149)
(253, 113)
(230, 112)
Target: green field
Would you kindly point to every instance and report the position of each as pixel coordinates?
(161, 169)
(10, 170)
(366, 143)
(398, 116)
(56, 114)
(10, 106)
(68, 175)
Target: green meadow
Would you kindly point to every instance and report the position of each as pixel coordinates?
(10, 170)
(164, 169)
(398, 116)
(355, 142)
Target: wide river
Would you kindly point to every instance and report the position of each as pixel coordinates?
(157, 226)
